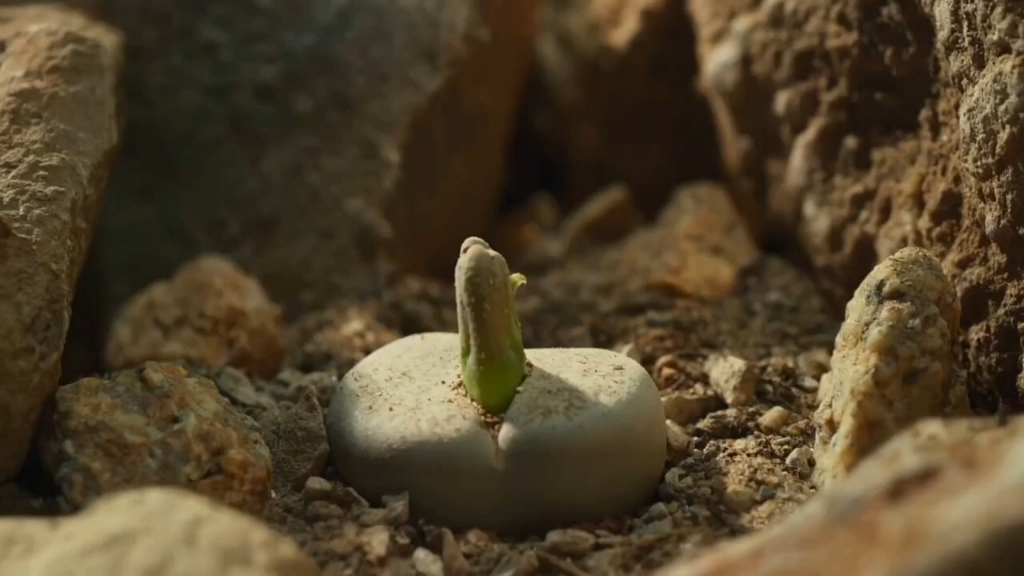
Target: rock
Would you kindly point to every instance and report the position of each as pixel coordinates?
(297, 438)
(903, 132)
(774, 419)
(894, 363)
(427, 563)
(155, 425)
(211, 313)
(159, 531)
(297, 174)
(697, 247)
(607, 216)
(614, 98)
(583, 439)
(678, 441)
(569, 542)
(334, 339)
(685, 408)
(59, 129)
(733, 378)
(938, 499)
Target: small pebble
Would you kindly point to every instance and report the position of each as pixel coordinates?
(569, 542)
(678, 441)
(375, 542)
(801, 460)
(427, 563)
(774, 419)
(733, 378)
(656, 528)
(317, 488)
(685, 408)
(739, 498)
(396, 508)
(320, 510)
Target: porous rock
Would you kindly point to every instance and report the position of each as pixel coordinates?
(159, 531)
(857, 128)
(939, 499)
(296, 136)
(894, 362)
(211, 313)
(334, 339)
(297, 438)
(58, 133)
(154, 425)
(613, 98)
(583, 439)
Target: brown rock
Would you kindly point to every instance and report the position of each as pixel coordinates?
(894, 362)
(940, 499)
(158, 531)
(237, 140)
(614, 98)
(607, 216)
(155, 425)
(210, 313)
(697, 248)
(857, 128)
(58, 133)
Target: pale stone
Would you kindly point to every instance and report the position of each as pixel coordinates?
(584, 439)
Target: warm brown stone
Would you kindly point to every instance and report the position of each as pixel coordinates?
(859, 127)
(58, 132)
(211, 313)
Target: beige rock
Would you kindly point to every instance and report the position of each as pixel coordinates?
(894, 362)
(155, 425)
(940, 499)
(607, 216)
(58, 132)
(615, 98)
(253, 150)
(154, 531)
(733, 378)
(334, 339)
(211, 313)
(903, 131)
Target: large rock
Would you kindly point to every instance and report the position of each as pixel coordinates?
(614, 98)
(154, 531)
(155, 425)
(279, 133)
(940, 499)
(58, 132)
(863, 127)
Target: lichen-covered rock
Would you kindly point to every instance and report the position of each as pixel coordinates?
(211, 313)
(939, 499)
(857, 128)
(158, 531)
(237, 140)
(154, 425)
(59, 129)
(894, 362)
(614, 98)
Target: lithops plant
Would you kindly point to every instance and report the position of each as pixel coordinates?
(482, 433)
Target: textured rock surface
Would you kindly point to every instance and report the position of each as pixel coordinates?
(155, 531)
(277, 132)
(894, 362)
(862, 127)
(698, 246)
(211, 313)
(615, 101)
(584, 438)
(58, 132)
(940, 499)
(334, 339)
(155, 425)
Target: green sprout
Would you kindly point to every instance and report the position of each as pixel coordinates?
(492, 355)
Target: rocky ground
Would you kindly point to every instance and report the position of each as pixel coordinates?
(799, 217)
